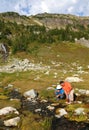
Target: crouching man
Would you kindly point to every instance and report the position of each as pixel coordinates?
(59, 92)
(69, 91)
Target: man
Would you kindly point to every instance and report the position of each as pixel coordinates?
(60, 94)
(69, 91)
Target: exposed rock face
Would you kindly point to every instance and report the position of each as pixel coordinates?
(82, 41)
(61, 20)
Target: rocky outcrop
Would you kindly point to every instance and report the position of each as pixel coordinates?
(61, 20)
(83, 42)
(21, 65)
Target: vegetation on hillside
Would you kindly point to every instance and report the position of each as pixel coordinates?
(20, 36)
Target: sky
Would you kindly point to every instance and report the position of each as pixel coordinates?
(32, 7)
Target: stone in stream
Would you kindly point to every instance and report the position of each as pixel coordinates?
(51, 108)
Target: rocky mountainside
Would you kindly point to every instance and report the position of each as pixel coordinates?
(19, 32)
(61, 20)
(44, 53)
(48, 20)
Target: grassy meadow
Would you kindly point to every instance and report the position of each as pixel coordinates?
(64, 59)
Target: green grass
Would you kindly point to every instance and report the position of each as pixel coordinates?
(61, 58)
(64, 54)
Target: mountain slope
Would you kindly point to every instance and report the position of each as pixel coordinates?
(18, 32)
(61, 20)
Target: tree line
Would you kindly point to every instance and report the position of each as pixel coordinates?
(19, 36)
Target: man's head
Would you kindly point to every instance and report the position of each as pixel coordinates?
(62, 83)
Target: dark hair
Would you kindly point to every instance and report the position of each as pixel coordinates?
(61, 82)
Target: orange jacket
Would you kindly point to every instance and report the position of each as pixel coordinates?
(67, 87)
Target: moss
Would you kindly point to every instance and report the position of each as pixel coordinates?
(31, 121)
(48, 94)
(3, 97)
(71, 112)
(14, 103)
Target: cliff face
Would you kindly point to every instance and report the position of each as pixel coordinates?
(61, 20)
(20, 31)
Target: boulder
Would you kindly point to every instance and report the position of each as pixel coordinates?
(30, 94)
(12, 122)
(7, 110)
(60, 113)
(79, 111)
(51, 108)
(73, 79)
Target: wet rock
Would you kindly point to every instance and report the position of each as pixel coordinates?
(31, 94)
(55, 104)
(51, 108)
(44, 101)
(12, 122)
(38, 110)
(7, 110)
(37, 107)
(15, 94)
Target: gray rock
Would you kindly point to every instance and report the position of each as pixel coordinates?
(79, 111)
(50, 108)
(61, 112)
(12, 122)
(7, 110)
(31, 94)
(38, 110)
(73, 79)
